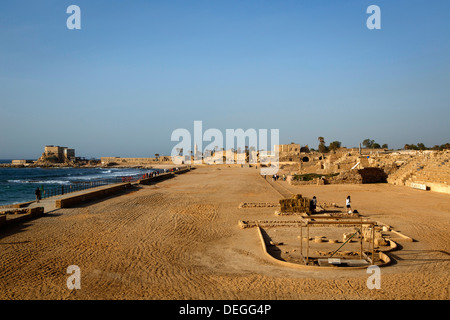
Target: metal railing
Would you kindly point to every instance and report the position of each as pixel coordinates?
(80, 186)
(52, 191)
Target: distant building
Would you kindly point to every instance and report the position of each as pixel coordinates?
(289, 148)
(293, 152)
(69, 153)
(21, 162)
(105, 161)
(58, 153)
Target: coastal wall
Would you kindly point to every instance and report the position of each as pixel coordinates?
(110, 190)
(181, 171)
(17, 205)
(11, 217)
(160, 177)
(133, 161)
(2, 219)
(91, 195)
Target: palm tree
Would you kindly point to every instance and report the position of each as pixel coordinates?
(322, 148)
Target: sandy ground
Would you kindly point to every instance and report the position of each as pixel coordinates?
(180, 239)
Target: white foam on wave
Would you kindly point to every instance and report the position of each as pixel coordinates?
(41, 181)
(102, 174)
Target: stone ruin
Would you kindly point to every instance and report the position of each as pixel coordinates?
(359, 176)
(421, 169)
(323, 236)
(296, 204)
(258, 205)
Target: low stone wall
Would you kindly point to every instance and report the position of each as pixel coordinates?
(163, 176)
(18, 211)
(432, 186)
(181, 171)
(17, 205)
(91, 195)
(420, 186)
(439, 187)
(13, 216)
(160, 177)
(259, 205)
(315, 181)
(243, 224)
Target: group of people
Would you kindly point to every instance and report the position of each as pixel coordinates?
(150, 174)
(275, 177)
(313, 205)
(155, 173)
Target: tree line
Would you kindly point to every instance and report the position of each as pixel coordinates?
(369, 143)
(421, 146)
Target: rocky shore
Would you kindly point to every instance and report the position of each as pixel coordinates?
(85, 165)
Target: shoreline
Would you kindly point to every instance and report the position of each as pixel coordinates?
(157, 166)
(87, 192)
(15, 196)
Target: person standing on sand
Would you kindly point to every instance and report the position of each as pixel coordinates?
(37, 192)
(313, 204)
(348, 205)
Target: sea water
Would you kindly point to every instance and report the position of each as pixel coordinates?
(18, 184)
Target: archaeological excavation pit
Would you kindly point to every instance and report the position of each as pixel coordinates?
(326, 242)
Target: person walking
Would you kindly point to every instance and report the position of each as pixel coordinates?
(37, 192)
(348, 205)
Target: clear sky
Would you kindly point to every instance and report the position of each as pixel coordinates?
(137, 70)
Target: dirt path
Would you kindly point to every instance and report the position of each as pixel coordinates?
(180, 239)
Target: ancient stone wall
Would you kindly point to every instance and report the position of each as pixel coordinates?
(431, 169)
(297, 204)
(132, 161)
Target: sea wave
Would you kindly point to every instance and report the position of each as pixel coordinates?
(108, 174)
(62, 177)
(40, 181)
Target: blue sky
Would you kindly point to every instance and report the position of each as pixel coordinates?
(137, 70)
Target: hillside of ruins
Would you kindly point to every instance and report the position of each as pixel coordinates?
(421, 169)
